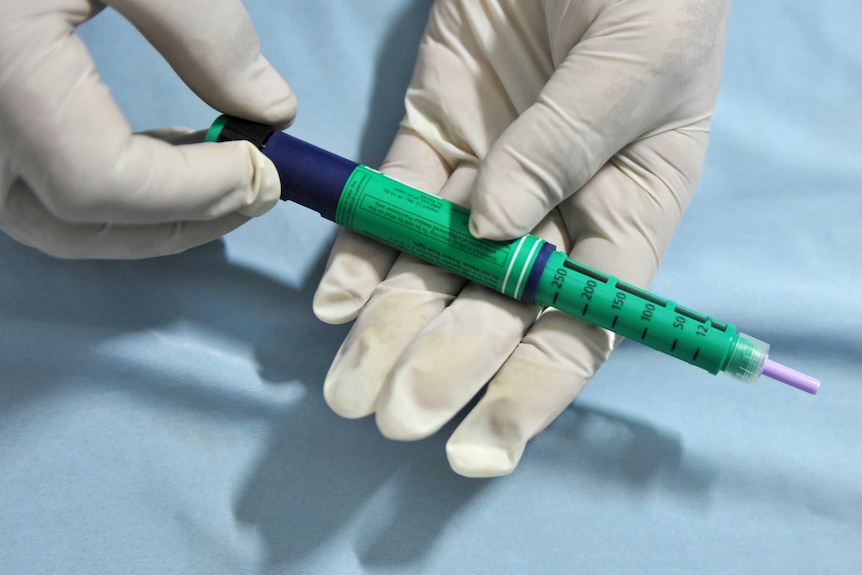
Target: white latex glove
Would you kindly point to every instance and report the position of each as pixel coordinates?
(75, 181)
(586, 122)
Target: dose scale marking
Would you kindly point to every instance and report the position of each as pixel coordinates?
(637, 314)
(528, 268)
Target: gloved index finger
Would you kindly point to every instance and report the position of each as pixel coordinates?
(216, 51)
(357, 264)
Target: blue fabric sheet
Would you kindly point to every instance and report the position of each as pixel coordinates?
(166, 416)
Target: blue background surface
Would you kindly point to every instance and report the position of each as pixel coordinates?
(166, 416)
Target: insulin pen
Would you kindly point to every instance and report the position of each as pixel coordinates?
(527, 269)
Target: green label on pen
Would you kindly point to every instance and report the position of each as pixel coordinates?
(434, 230)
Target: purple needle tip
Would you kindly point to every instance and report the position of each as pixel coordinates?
(790, 376)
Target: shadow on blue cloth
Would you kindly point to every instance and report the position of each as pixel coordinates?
(315, 480)
(320, 470)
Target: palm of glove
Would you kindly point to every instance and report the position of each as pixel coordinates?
(584, 122)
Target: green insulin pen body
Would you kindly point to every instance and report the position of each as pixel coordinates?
(527, 269)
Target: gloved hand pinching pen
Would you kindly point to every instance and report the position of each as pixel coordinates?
(76, 182)
(527, 269)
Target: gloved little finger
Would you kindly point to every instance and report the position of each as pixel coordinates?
(397, 308)
(357, 264)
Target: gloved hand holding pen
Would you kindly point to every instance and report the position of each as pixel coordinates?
(76, 182)
(584, 123)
